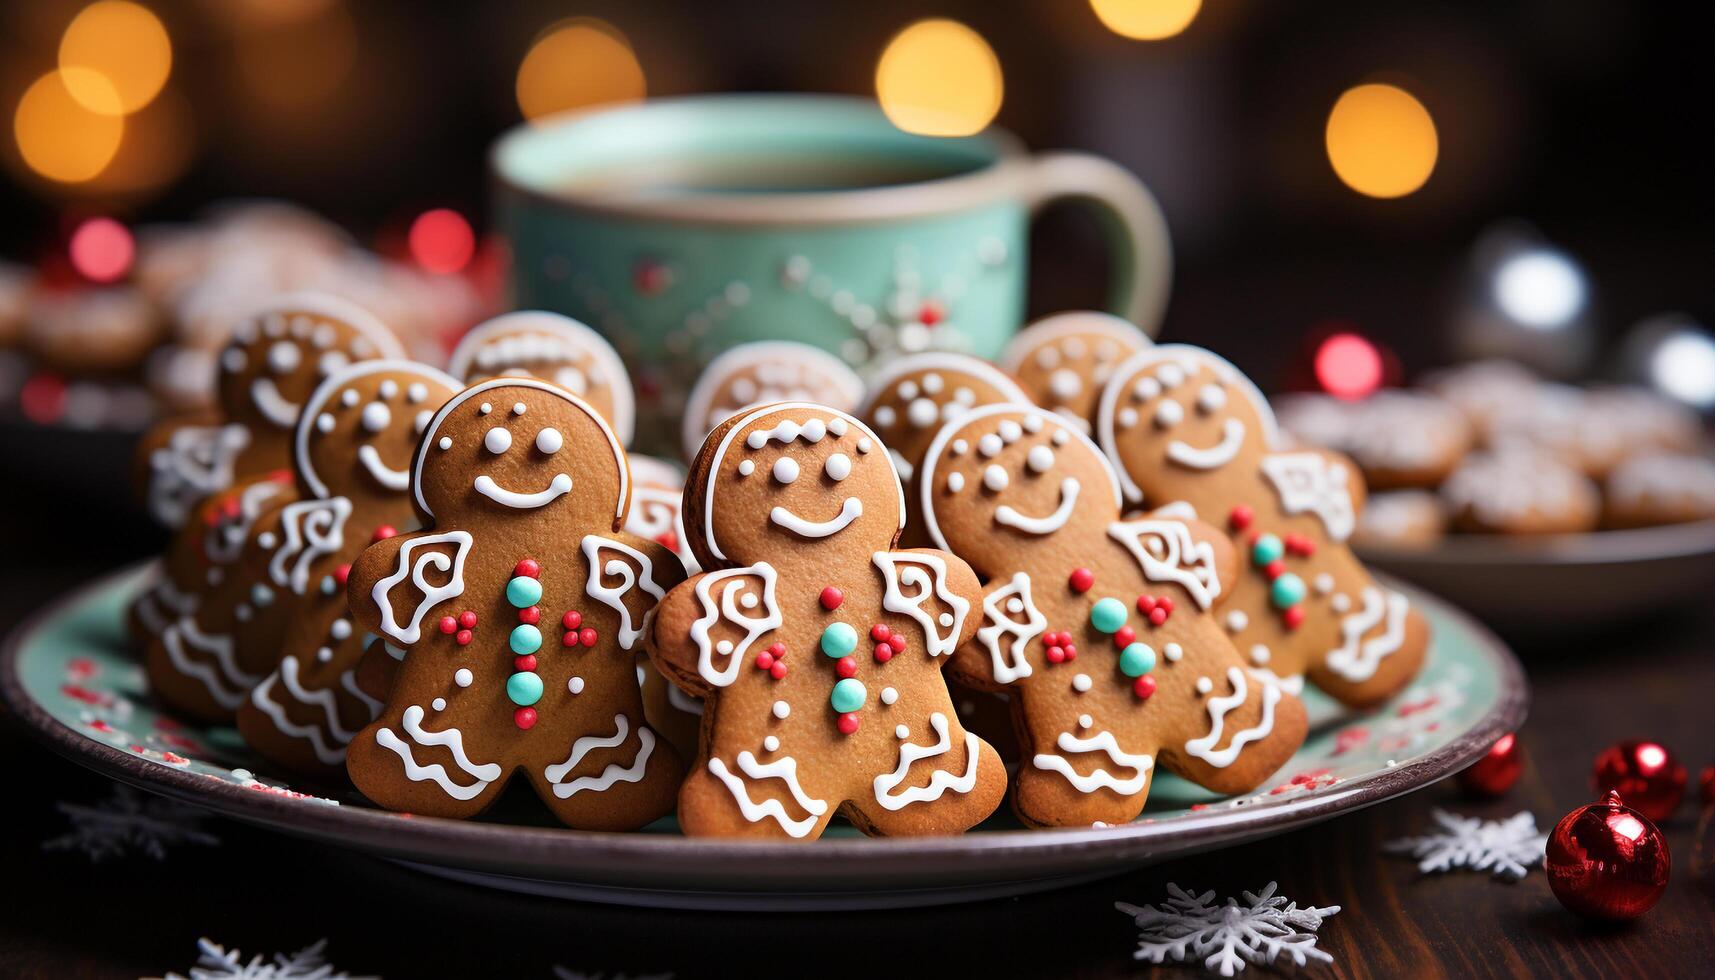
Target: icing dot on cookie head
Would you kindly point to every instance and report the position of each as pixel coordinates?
(350, 397)
(922, 413)
(445, 443)
(994, 477)
(497, 441)
(518, 408)
(549, 440)
(1040, 459)
(484, 408)
(990, 445)
(838, 466)
(417, 392)
(901, 732)
(785, 470)
(1169, 413)
(284, 357)
(955, 482)
(1212, 398)
(324, 423)
(746, 467)
(376, 417)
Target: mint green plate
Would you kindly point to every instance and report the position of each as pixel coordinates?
(68, 676)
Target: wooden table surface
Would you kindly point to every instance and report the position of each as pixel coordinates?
(261, 892)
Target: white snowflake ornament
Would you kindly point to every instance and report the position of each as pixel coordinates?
(126, 823)
(1229, 935)
(1509, 847)
(216, 962)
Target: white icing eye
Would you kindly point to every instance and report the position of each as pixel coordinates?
(907, 390)
(423, 418)
(885, 416)
(1074, 347)
(389, 388)
(1171, 375)
(1127, 417)
(959, 447)
(932, 383)
(922, 413)
(1065, 384)
(484, 408)
(994, 477)
(965, 396)
(785, 469)
(955, 482)
(417, 392)
(332, 361)
(498, 440)
(549, 440)
(989, 445)
(1212, 398)
(324, 423)
(1145, 389)
(284, 357)
(349, 398)
(1010, 431)
(1040, 460)
(744, 389)
(1168, 414)
(376, 417)
(838, 466)
(233, 360)
(746, 467)
(1046, 358)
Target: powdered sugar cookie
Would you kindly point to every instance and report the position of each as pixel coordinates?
(1181, 424)
(352, 464)
(761, 372)
(539, 344)
(1660, 489)
(1484, 391)
(1397, 438)
(1063, 360)
(521, 610)
(1401, 519)
(816, 648)
(1520, 491)
(1104, 632)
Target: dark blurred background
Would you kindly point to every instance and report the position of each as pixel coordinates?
(1585, 119)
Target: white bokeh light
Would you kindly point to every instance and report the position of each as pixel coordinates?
(1683, 367)
(1540, 288)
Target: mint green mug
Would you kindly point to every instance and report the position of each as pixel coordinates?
(681, 227)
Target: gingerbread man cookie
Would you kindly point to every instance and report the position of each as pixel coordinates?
(520, 611)
(539, 344)
(1102, 631)
(275, 358)
(817, 648)
(1063, 360)
(760, 372)
(353, 461)
(1181, 424)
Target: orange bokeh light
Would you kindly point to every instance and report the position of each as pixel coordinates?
(61, 139)
(576, 63)
(939, 78)
(123, 44)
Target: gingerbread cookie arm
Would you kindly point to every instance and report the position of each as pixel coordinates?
(397, 586)
(705, 631)
(993, 657)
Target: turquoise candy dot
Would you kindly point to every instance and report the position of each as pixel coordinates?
(1137, 659)
(848, 695)
(838, 640)
(524, 688)
(1267, 548)
(525, 639)
(1287, 590)
(523, 591)
(1108, 615)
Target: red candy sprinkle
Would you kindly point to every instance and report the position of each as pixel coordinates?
(845, 667)
(528, 568)
(1294, 617)
(1081, 579)
(1240, 517)
(384, 532)
(1157, 616)
(572, 620)
(342, 573)
(1146, 604)
(778, 649)
(1071, 651)
(569, 639)
(587, 636)
(880, 632)
(1056, 654)
(778, 670)
(463, 638)
(467, 619)
(449, 625)
(668, 540)
(883, 653)
(1298, 544)
(524, 718)
(525, 663)
(1123, 637)
(848, 723)
(897, 642)
(764, 660)
(832, 597)
(1274, 569)
(1143, 687)
(531, 615)
(1165, 603)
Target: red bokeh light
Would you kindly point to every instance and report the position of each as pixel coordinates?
(441, 241)
(1348, 366)
(101, 250)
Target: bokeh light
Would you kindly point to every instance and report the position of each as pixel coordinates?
(61, 139)
(939, 78)
(1381, 141)
(1540, 288)
(1683, 367)
(576, 63)
(119, 42)
(1146, 20)
(441, 241)
(102, 249)
(1348, 366)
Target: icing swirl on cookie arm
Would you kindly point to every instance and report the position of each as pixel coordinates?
(932, 601)
(419, 555)
(738, 607)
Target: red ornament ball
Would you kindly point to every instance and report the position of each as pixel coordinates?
(524, 718)
(832, 597)
(1497, 770)
(897, 642)
(1071, 650)
(848, 723)
(1607, 861)
(764, 660)
(778, 649)
(1081, 579)
(1123, 637)
(1645, 774)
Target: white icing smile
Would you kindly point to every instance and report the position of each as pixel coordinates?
(850, 511)
(1042, 525)
(560, 485)
(1220, 454)
(273, 406)
(383, 474)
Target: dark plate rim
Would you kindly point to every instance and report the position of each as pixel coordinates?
(586, 855)
(1643, 544)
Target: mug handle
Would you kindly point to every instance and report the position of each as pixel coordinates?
(1135, 227)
